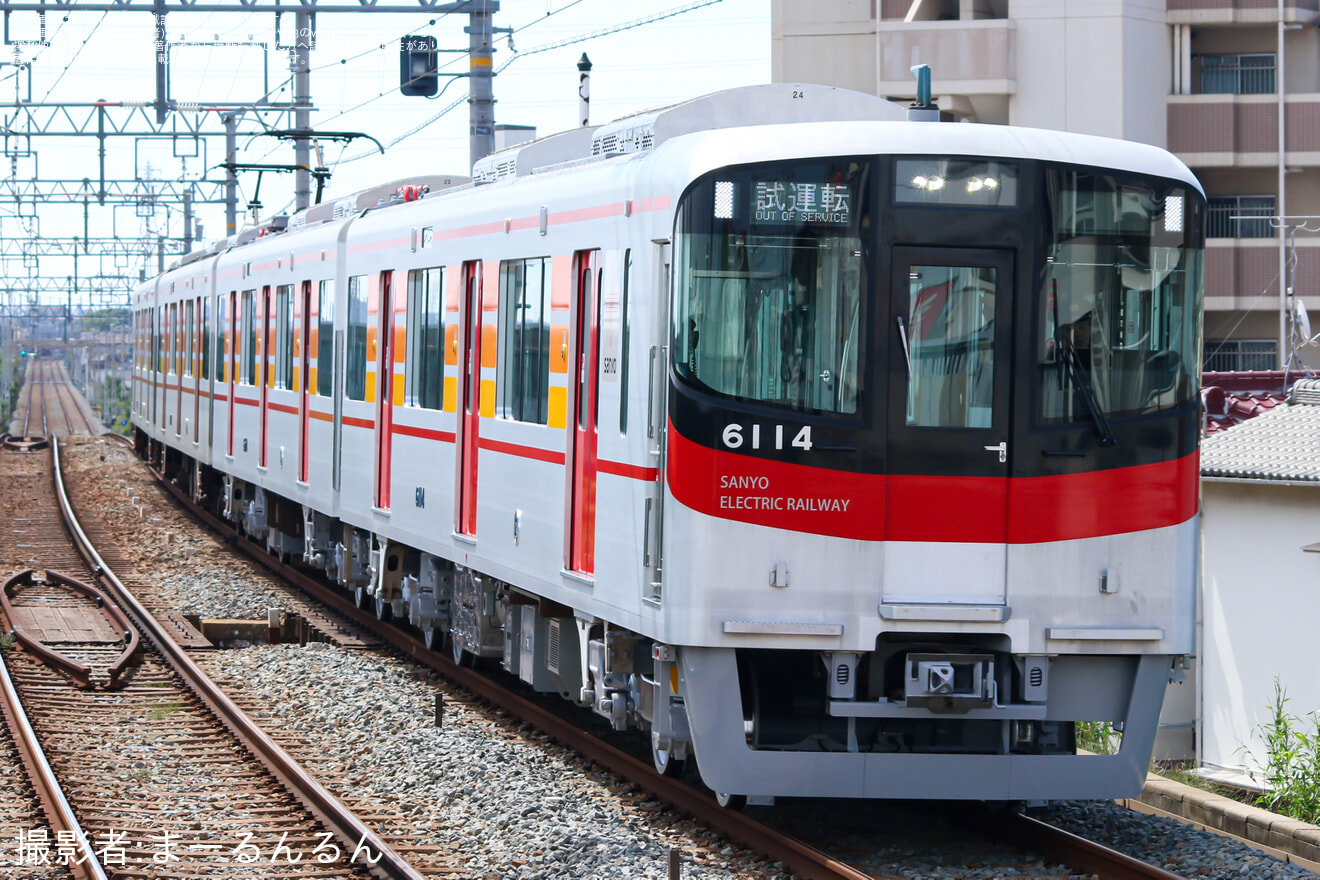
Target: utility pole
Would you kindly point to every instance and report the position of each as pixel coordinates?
(300, 56)
(187, 220)
(231, 174)
(584, 90)
(481, 95)
(162, 74)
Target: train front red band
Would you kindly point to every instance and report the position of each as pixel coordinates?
(900, 507)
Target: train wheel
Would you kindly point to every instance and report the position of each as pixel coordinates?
(666, 764)
(730, 801)
(362, 596)
(460, 655)
(384, 609)
(434, 637)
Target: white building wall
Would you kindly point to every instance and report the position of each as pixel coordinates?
(1260, 613)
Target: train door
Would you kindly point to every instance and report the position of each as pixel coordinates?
(948, 453)
(166, 352)
(304, 377)
(231, 365)
(384, 389)
(154, 319)
(656, 420)
(263, 374)
(181, 330)
(585, 347)
(195, 358)
(469, 403)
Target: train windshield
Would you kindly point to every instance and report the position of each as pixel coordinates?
(771, 280)
(1120, 328)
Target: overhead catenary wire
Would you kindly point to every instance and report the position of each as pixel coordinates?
(533, 51)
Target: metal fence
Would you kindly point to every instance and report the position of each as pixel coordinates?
(1238, 74)
(1240, 355)
(1233, 217)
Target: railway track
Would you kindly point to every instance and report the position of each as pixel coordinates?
(165, 773)
(798, 856)
(52, 408)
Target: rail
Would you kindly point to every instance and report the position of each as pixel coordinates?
(320, 802)
(44, 782)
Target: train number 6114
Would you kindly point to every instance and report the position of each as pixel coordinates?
(733, 437)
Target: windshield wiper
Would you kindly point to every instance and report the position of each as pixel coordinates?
(1081, 378)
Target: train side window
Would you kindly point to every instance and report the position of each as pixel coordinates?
(189, 329)
(355, 384)
(171, 312)
(426, 333)
(206, 337)
(325, 340)
(249, 337)
(283, 337)
(524, 390)
(224, 343)
(623, 354)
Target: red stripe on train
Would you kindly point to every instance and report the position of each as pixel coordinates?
(550, 455)
(424, 433)
(878, 507)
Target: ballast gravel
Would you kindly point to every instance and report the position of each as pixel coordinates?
(1170, 844)
(518, 806)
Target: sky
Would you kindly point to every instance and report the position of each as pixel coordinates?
(354, 86)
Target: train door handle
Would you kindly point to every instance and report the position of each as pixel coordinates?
(1002, 449)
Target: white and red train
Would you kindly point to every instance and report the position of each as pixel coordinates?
(850, 455)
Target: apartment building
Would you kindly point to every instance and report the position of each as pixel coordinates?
(1221, 83)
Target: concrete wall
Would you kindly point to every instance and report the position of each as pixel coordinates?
(1260, 609)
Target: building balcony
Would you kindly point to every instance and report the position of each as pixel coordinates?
(1241, 131)
(1241, 11)
(974, 57)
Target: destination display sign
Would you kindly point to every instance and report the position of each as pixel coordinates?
(796, 202)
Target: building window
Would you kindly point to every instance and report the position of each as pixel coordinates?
(426, 334)
(1240, 355)
(355, 384)
(283, 337)
(1236, 217)
(325, 340)
(1241, 74)
(524, 341)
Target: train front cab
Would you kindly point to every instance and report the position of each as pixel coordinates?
(933, 472)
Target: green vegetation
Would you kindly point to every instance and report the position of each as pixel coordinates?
(164, 710)
(114, 398)
(1098, 736)
(100, 320)
(1292, 761)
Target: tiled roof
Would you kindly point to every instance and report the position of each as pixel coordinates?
(1281, 444)
(1231, 398)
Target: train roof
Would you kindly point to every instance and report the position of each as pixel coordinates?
(708, 127)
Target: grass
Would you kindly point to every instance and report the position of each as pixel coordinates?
(1291, 774)
(164, 710)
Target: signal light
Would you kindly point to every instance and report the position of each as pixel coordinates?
(418, 66)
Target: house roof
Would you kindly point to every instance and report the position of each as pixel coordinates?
(1281, 444)
(1231, 398)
